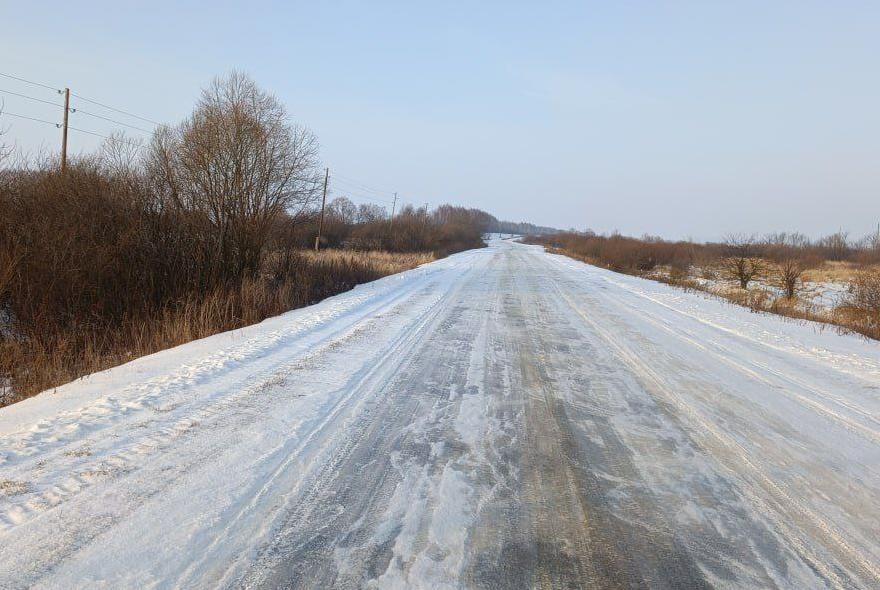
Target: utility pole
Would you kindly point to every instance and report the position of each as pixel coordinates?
(393, 206)
(64, 131)
(323, 203)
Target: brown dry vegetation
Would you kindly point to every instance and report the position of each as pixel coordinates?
(133, 250)
(38, 358)
(764, 275)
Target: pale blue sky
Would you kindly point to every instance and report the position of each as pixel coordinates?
(674, 118)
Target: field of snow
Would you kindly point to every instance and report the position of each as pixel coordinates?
(501, 418)
(820, 297)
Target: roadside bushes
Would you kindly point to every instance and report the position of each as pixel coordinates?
(862, 303)
(137, 248)
(621, 253)
(443, 231)
(35, 357)
(776, 264)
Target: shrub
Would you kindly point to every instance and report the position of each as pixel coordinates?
(123, 255)
(862, 301)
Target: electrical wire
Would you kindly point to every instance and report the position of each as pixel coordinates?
(358, 190)
(87, 113)
(352, 183)
(80, 97)
(30, 82)
(361, 185)
(55, 104)
(106, 106)
(338, 194)
(107, 137)
(2, 113)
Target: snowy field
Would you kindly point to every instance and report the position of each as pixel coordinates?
(820, 297)
(502, 418)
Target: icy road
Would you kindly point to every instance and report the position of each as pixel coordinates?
(503, 418)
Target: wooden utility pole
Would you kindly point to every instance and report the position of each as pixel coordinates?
(391, 219)
(64, 131)
(323, 203)
(393, 206)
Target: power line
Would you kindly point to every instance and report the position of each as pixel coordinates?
(347, 195)
(82, 112)
(30, 82)
(54, 104)
(106, 106)
(30, 118)
(362, 186)
(349, 189)
(100, 104)
(107, 137)
(345, 180)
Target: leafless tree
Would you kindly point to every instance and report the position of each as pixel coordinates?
(121, 159)
(836, 245)
(789, 272)
(240, 163)
(741, 261)
(5, 150)
(787, 240)
(343, 210)
(371, 213)
(10, 253)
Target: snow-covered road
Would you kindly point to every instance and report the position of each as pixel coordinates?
(502, 418)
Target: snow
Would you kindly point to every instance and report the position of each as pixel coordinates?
(817, 296)
(408, 433)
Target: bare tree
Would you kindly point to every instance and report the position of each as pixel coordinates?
(343, 210)
(836, 246)
(237, 161)
(4, 149)
(741, 262)
(789, 273)
(368, 213)
(10, 253)
(121, 159)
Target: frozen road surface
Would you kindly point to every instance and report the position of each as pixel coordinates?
(503, 418)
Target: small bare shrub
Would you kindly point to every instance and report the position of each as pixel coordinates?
(741, 262)
(863, 299)
(788, 273)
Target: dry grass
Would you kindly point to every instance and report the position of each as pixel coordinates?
(834, 271)
(384, 263)
(37, 362)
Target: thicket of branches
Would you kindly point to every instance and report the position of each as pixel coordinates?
(136, 248)
(443, 230)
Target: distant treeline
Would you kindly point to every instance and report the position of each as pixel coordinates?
(634, 255)
(443, 230)
(521, 228)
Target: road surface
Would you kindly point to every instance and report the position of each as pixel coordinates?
(503, 418)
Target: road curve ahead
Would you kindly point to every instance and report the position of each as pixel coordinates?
(503, 418)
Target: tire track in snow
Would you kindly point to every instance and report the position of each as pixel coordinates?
(732, 452)
(370, 383)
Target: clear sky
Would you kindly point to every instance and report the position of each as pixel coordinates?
(673, 118)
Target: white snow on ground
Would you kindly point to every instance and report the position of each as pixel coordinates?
(174, 469)
(824, 294)
(819, 296)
